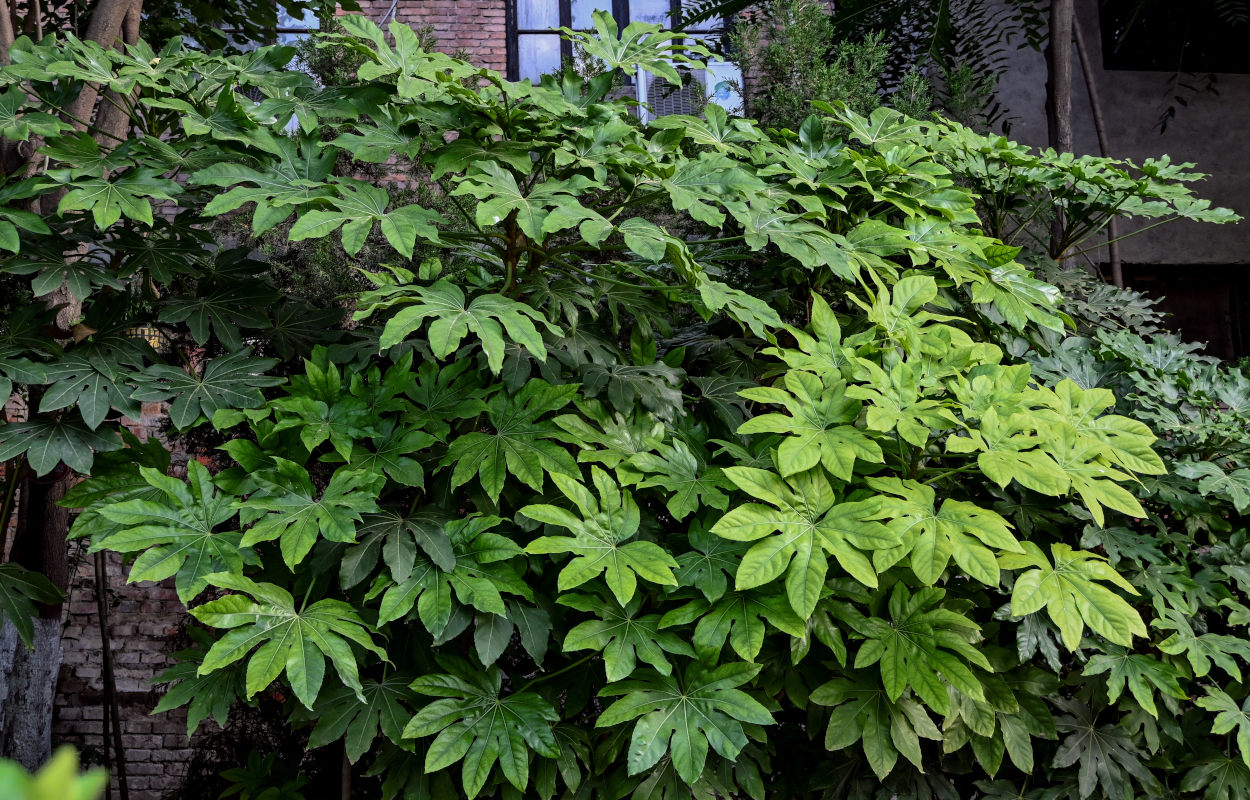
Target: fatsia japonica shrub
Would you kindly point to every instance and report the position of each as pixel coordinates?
(684, 461)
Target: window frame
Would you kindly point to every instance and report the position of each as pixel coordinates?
(620, 11)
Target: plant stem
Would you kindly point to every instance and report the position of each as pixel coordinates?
(1125, 236)
(948, 472)
(560, 671)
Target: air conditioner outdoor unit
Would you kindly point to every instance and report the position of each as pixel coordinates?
(717, 84)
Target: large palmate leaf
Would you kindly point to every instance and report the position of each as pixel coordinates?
(294, 179)
(817, 428)
(639, 45)
(599, 538)
(488, 316)
(297, 641)
(117, 477)
(803, 521)
(923, 646)
(897, 402)
(1218, 777)
(1233, 485)
(521, 444)
(683, 713)
(391, 453)
(1009, 451)
(222, 307)
(933, 536)
(20, 589)
(395, 537)
(442, 395)
(710, 564)
(129, 194)
(177, 532)
(742, 618)
(1124, 442)
(863, 713)
(1142, 674)
(1107, 755)
(79, 275)
(93, 383)
(478, 577)
(341, 714)
(48, 441)
(622, 635)
(19, 127)
(1229, 717)
(1201, 649)
(205, 696)
(229, 381)
(1068, 590)
(292, 510)
(356, 207)
(1082, 460)
(537, 211)
(475, 724)
(690, 485)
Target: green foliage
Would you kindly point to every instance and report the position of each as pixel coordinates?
(791, 48)
(1019, 190)
(20, 589)
(692, 459)
(58, 779)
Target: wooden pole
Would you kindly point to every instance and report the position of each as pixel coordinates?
(110, 686)
(1059, 102)
(1104, 147)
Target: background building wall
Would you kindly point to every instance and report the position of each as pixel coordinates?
(476, 27)
(1213, 131)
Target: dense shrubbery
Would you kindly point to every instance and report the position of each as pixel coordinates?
(689, 460)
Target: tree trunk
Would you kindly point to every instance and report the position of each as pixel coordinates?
(112, 120)
(107, 20)
(1059, 99)
(6, 31)
(27, 689)
(28, 677)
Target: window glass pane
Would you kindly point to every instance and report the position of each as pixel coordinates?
(537, 55)
(582, 9)
(538, 14)
(308, 20)
(654, 12)
(295, 26)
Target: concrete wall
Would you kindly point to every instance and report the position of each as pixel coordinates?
(1213, 131)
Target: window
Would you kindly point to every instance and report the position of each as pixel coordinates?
(534, 48)
(290, 29)
(293, 28)
(1162, 35)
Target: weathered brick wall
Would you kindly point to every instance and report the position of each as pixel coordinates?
(143, 619)
(476, 27)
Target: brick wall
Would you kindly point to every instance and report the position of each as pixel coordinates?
(143, 620)
(476, 27)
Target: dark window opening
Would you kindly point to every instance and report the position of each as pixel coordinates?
(1171, 36)
(1204, 303)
